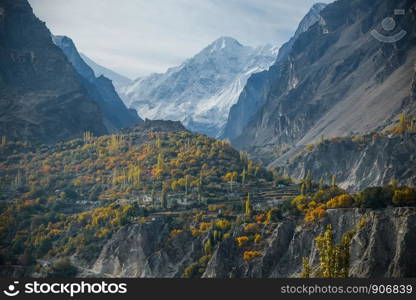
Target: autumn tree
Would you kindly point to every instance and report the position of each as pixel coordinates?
(231, 177)
(3, 141)
(334, 259)
(208, 247)
(88, 136)
(404, 197)
(394, 184)
(343, 200)
(321, 184)
(306, 268)
(134, 175)
(114, 143)
(247, 206)
(160, 167)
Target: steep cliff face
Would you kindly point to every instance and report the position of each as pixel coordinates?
(259, 85)
(380, 249)
(41, 98)
(116, 115)
(383, 247)
(145, 250)
(337, 80)
(358, 164)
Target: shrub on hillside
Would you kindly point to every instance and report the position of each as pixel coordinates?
(404, 197)
(375, 197)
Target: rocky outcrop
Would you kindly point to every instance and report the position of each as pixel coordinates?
(155, 126)
(41, 98)
(358, 164)
(146, 250)
(382, 247)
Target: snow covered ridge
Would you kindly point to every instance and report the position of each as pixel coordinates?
(201, 91)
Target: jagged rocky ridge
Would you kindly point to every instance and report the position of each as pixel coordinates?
(101, 89)
(41, 98)
(382, 248)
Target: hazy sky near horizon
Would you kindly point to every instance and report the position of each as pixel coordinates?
(139, 37)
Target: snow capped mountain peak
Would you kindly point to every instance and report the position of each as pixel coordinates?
(201, 90)
(224, 43)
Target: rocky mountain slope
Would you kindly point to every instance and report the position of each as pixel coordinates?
(200, 92)
(156, 200)
(119, 81)
(338, 80)
(357, 164)
(116, 115)
(41, 98)
(258, 87)
(382, 247)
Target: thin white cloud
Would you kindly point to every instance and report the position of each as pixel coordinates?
(137, 37)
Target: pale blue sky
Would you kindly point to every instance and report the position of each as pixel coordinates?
(137, 37)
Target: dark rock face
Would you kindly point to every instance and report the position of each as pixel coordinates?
(145, 250)
(383, 247)
(358, 165)
(116, 115)
(156, 126)
(337, 80)
(41, 98)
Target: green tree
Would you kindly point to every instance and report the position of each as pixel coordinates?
(208, 247)
(334, 181)
(302, 189)
(186, 184)
(308, 181)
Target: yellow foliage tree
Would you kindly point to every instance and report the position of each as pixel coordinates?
(242, 241)
(249, 255)
(344, 200)
(405, 196)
